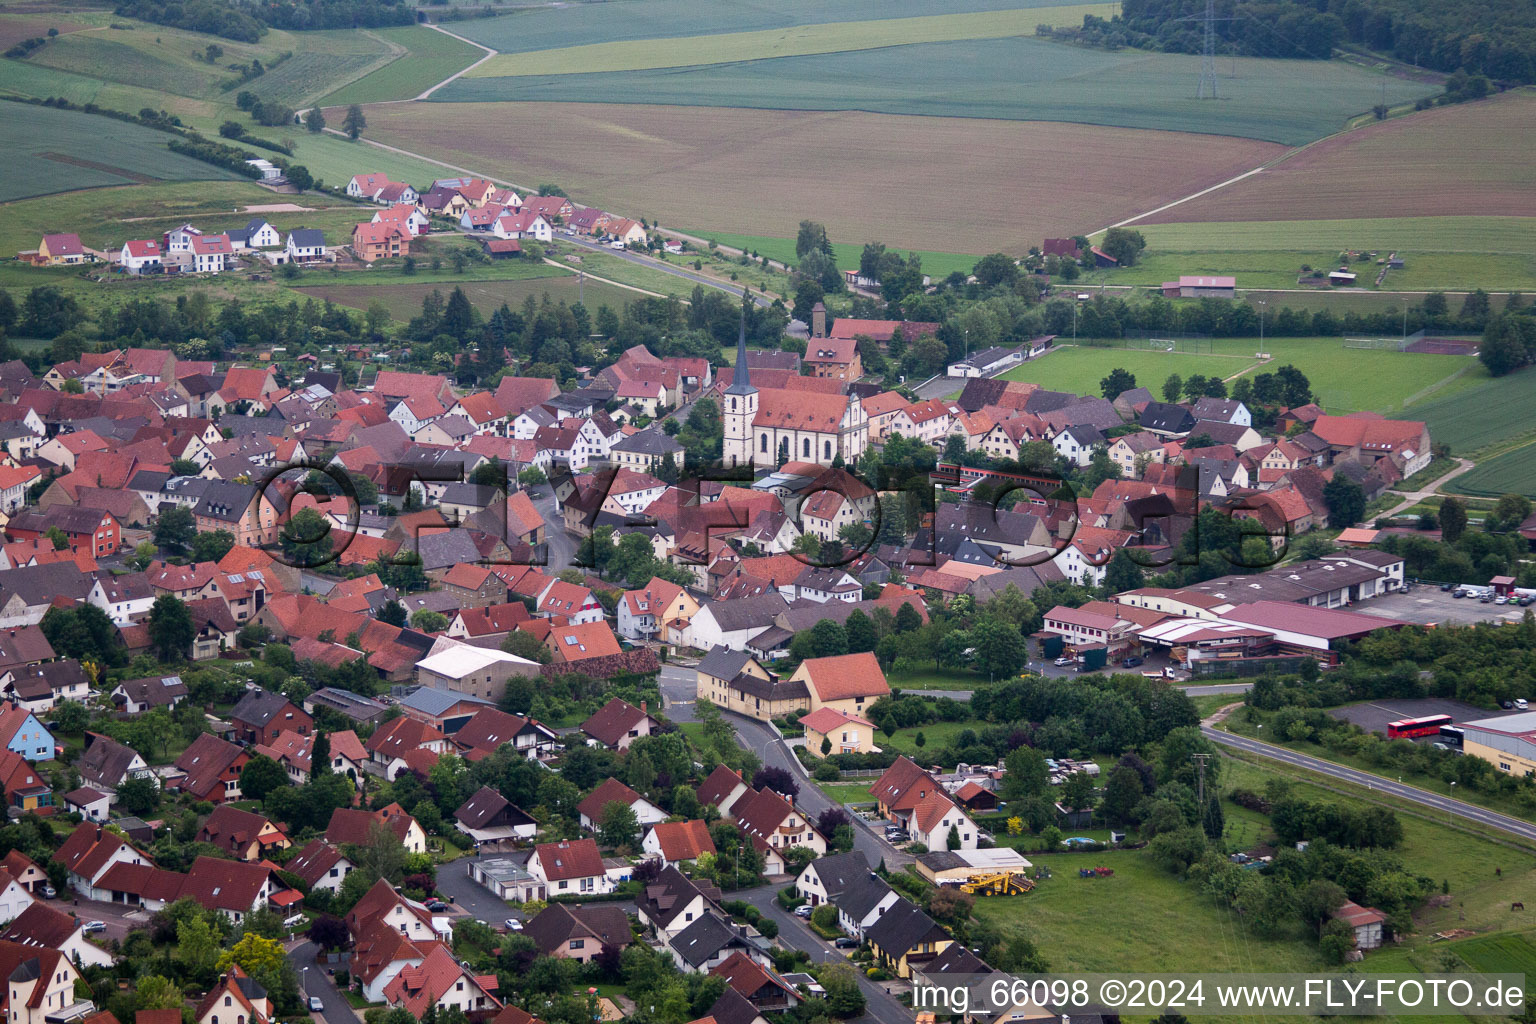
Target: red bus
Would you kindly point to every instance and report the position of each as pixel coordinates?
(1413, 728)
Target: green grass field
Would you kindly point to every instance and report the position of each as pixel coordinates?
(430, 57)
(1409, 234)
(935, 264)
(798, 40)
(110, 216)
(334, 159)
(1344, 380)
(51, 150)
(1492, 411)
(404, 300)
(1498, 954)
(569, 25)
(1514, 472)
(1020, 78)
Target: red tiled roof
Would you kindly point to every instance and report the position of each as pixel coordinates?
(569, 859)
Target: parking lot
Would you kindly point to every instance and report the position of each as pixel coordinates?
(1373, 717)
(1428, 604)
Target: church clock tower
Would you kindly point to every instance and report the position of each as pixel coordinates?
(740, 406)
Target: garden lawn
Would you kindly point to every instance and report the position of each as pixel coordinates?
(936, 679)
(1139, 919)
(937, 736)
(848, 792)
(403, 301)
(430, 57)
(1343, 380)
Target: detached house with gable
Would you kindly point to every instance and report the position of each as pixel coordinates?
(570, 867)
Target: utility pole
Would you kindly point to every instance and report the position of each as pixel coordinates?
(1200, 760)
(1262, 304)
(1207, 87)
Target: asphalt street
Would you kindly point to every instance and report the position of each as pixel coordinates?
(679, 689)
(560, 546)
(1422, 797)
(466, 894)
(796, 934)
(314, 981)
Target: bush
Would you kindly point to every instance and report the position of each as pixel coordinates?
(826, 771)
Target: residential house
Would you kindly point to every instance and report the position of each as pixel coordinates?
(22, 733)
(672, 902)
(579, 932)
(61, 250)
(321, 865)
(136, 696)
(846, 881)
(261, 716)
(570, 867)
(489, 817)
(356, 826)
(759, 984)
(904, 937)
(304, 245)
(674, 842)
(619, 723)
(243, 835)
(141, 257)
(236, 999)
(41, 984)
(442, 983)
(106, 764)
(649, 612)
(40, 926)
(210, 769)
(847, 682)
(830, 730)
(609, 791)
(737, 681)
(372, 242)
(477, 671)
(490, 729)
(211, 254)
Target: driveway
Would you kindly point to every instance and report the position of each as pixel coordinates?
(466, 894)
(119, 919)
(796, 934)
(314, 981)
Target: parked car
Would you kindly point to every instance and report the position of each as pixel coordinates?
(95, 926)
(1131, 662)
(1501, 599)
(1485, 599)
(846, 942)
(315, 1005)
(1446, 587)
(514, 925)
(1064, 661)
(1522, 703)
(1526, 600)
(49, 892)
(1458, 593)
(803, 911)
(616, 244)
(1506, 705)
(437, 906)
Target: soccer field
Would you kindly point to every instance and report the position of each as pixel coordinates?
(1344, 380)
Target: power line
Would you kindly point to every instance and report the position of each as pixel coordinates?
(1208, 55)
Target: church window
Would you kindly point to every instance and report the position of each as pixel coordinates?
(805, 447)
(827, 448)
(765, 443)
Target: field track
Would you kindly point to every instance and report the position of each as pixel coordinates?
(1463, 160)
(984, 185)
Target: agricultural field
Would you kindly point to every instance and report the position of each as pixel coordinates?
(54, 150)
(16, 27)
(760, 172)
(1503, 953)
(548, 28)
(426, 58)
(796, 41)
(1492, 411)
(1019, 78)
(1467, 160)
(1514, 472)
(404, 300)
(1344, 380)
(935, 264)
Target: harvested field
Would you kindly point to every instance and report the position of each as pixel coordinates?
(1463, 160)
(404, 300)
(1017, 78)
(987, 185)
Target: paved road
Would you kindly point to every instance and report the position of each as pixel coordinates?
(560, 546)
(669, 268)
(794, 933)
(315, 982)
(1422, 797)
(679, 689)
(1414, 497)
(118, 918)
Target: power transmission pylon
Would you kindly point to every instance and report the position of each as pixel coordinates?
(1200, 760)
(1208, 56)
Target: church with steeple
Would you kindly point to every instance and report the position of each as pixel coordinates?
(768, 427)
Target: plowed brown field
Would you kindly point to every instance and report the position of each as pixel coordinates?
(1472, 158)
(948, 184)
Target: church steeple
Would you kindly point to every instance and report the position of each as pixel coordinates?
(741, 380)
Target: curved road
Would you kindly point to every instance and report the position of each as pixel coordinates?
(1422, 797)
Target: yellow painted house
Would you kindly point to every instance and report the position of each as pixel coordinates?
(847, 682)
(830, 731)
(735, 681)
(60, 250)
(905, 938)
